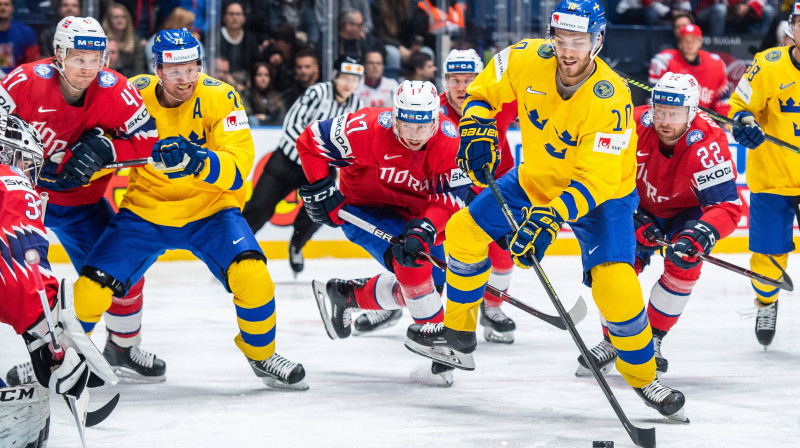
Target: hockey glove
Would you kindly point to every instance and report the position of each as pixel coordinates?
(478, 148)
(51, 180)
(698, 236)
(88, 155)
(539, 229)
(418, 236)
(179, 156)
(322, 201)
(748, 133)
(647, 231)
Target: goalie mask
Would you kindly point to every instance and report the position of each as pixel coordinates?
(415, 115)
(20, 146)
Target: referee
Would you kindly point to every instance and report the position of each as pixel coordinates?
(283, 173)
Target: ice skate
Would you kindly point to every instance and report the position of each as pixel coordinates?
(661, 362)
(497, 327)
(667, 401)
(336, 301)
(296, 260)
(134, 364)
(373, 320)
(766, 317)
(21, 374)
(437, 342)
(437, 375)
(604, 355)
(280, 373)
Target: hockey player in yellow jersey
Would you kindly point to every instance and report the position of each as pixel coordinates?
(579, 143)
(767, 100)
(191, 198)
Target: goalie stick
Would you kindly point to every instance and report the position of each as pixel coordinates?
(640, 436)
(577, 313)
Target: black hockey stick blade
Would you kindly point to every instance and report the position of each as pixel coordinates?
(786, 281)
(97, 416)
(644, 437)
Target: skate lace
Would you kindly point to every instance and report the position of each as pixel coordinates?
(278, 366)
(656, 391)
(347, 317)
(142, 357)
(603, 351)
(766, 318)
(495, 314)
(432, 328)
(25, 373)
(377, 316)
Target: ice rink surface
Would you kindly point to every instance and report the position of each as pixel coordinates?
(361, 393)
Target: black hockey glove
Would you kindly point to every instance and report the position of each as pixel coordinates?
(322, 201)
(647, 231)
(698, 236)
(418, 236)
(89, 154)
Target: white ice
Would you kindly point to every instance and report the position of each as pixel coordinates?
(522, 395)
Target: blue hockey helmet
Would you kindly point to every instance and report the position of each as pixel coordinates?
(585, 16)
(175, 47)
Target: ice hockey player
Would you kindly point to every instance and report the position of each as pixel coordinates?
(410, 149)
(765, 96)
(73, 101)
(694, 207)
(192, 201)
(579, 150)
(460, 69)
(25, 409)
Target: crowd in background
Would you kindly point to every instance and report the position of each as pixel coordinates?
(270, 50)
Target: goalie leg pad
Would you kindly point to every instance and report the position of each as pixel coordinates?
(24, 416)
(254, 298)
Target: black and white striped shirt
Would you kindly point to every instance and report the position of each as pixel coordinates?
(317, 103)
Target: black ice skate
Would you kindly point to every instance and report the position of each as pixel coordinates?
(376, 319)
(604, 355)
(280, 373)
(437, 375)
(134, 364)
(661, 362)
(442, 344)
(766, 316)
(336, 301)
(667, 401)
(497, 327)
(296, 260)
(21, 374)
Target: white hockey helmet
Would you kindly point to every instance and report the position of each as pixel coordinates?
(416, 103)
(462, 61)
(677, 89)
(20, 146)
(80, 33)
(793, 13)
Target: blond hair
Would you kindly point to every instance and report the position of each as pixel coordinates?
(125, 39)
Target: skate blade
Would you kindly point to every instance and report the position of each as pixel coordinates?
(130, 376)
(275, 383)
(679, 416)
(423, 375)
(492, 335)
(321, 297)
(452, 358)
(583, 372)
(388, 324)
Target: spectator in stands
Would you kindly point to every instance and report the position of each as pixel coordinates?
(265, 15)
(18, 42)
(65, 8)
(118, 25)
(112, 48)
(264, 105)
(362, 6)
(197, 7)
(376, 90)
(679, 20)
(650, 12)
(143, 13)
(707, 68)
(306, 74)
(222, 70)
(421, 67)
(352, 38)
(239, 46)
(279, 54)
(743, 16)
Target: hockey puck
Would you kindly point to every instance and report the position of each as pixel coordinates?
(603, 444)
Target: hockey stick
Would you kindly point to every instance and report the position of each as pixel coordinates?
(785, 283)
(128, 163)
(640, 436)
(577, 313)
(717, 116)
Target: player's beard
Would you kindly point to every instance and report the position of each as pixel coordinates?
(577, 71)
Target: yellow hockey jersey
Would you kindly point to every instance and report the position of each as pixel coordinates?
(768, 90)
(578, 152)
(214, 118)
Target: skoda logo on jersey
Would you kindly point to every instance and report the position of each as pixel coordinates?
(414, 116)
(647, 119)
(385, 119)
(449, 129)
(694, 136)
(669, 99)
(44, 71)
(603, 89)
(90, 43)
(106, 79)
(461, 67)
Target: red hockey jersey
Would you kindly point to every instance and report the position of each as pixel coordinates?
(22, 229)
(504, 118)
(710, 74)
(376, 170)
(700, 173)
(112, 103)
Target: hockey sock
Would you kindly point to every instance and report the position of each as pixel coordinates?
(421, 298)
(91, 301)
(500, 278)
(381, 292)
(253, 295)
(760, 263)
(124, 318)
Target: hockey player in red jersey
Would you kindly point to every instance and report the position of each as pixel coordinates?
(397, 171)
(460, 68)
(73, 101)
(693, 207)
(707, 68)
(65, 369)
